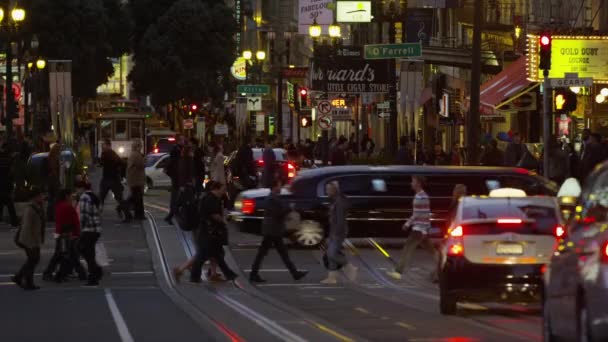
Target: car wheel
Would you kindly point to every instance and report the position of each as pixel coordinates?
(584, 335)
(447, 302)
(309, 234)
(547, 327)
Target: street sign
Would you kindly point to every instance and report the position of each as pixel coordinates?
(252, 89)
(324, 107)
(388, 51)
(254, 103)
(571, 82)
(341, 114)
(383, 105)
(220, 129)
(384, 115)
(324, 122)
(188, 123)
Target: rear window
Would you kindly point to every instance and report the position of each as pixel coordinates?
(278, 154)
(543, 216)
(164, 145)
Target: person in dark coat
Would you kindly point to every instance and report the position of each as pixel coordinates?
(404, 157)
(438, 157)
(269, 170)
(338, 153)
(7, 185)
(493, 156)
(172, 171)
(199, 164)
(273, 230)
(515, 151)
(244, 165)
(594, 154)
(559, 162)
(113, 168)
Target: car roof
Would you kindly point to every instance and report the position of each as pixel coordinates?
(474, 201)
(412, 169)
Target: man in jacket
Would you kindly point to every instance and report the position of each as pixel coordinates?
(244, 165)
(172, 170)
(404, 157)
(136, 179)
(31, 238)
(492, 156)
(273, 229)
(90, 226)
(515, 151)
(269, 171)
(7, 185)
(111, 177)
(593, 155)
(199, 164)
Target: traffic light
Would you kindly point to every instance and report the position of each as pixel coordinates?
(192, 109)
(564, 101)
(545, 51)
(303, 92)
(305, 121)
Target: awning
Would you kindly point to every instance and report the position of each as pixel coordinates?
(507, 86)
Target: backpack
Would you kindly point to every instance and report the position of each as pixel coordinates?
(187, 213)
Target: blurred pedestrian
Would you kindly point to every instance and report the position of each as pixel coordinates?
(418, 225)
(338, 231)
(438, 157)
(136, 179)
(111, 179)
(338, 153)
(31, 238)
(7, 185)
(269, 164)
(213, 234)
(53, 167)
(90, 226)
(244, 166)
(456, 157)
(559, 161)
(492, 156)
(593, 154)
(199, 164)
(217, 170)
(273, 230)
(515, 151)
(460, 190)
(67, 233)
(367, 146)
(404, 157)
(172, 171)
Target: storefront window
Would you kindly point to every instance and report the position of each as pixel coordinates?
(105, 127)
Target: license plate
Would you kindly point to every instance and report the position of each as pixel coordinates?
(509, 249)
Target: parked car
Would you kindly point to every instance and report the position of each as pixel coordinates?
(164, 145)
(155, 171)
(381, 197)
(496, 247)
(576, 279)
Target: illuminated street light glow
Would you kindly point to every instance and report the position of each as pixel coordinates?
(335, 31)
(260, 55)
(600, 98)
(247, 54)
(517, 32)
(18, 14)
(1, 15)
(314, 30)
(575, 90)
(40, 64)
(30, 65)
(604, 92)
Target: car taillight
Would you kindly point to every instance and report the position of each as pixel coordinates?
(457, 232)
(171, 139)
(456, 249)
(260, 162)
(604, 253)
(291, 170)
(559, 232)
(156, 150)
(248, 206)
(509, 221)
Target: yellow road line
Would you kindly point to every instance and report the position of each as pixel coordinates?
(333, 333)
(382, 250)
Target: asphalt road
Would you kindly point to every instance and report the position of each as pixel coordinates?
(374, 307)
(139, 300)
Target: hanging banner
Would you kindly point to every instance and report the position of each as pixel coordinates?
(311, 10)
(349, 73)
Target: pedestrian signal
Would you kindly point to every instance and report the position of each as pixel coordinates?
(564, 100)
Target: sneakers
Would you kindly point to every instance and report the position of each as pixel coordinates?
(394, 274)
(31, 288)
(91, 283)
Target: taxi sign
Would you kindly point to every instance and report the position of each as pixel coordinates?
(507, 192)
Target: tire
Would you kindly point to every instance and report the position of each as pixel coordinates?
(149, 185)
(547, 327)
(310, 234)
(447, 302)
(583, 327)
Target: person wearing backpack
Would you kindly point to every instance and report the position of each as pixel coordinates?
(212, 235)
(90, 225)
(30, 237)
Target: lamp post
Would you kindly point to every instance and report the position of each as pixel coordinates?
(260, 56)
(323, 54)
(33, 85)
(9, 25)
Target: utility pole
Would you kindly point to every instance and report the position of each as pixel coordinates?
(546, 121)
(472, 122)
(392, 129)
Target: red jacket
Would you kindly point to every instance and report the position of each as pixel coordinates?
(65, 213)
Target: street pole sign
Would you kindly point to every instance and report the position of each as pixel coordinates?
(571, 82)
(324, 122)
(324, 107)
(253, 89)
(390, 51)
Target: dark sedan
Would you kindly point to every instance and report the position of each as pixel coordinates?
(381, 197)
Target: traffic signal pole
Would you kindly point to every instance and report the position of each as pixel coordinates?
(546, 121)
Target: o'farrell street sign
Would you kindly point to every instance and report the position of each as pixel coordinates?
(253, 89)
(389, 51)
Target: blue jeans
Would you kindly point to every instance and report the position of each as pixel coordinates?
(335, 254)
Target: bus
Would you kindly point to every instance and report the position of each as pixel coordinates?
(121, 122)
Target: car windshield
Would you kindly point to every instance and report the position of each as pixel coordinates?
(152, 159)
(279, 154)
(542, 213)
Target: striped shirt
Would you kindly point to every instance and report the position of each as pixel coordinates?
(90, 220)
(421, 216)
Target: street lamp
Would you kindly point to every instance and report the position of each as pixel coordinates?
(260, 55)
(17, 16)
(314, 30)
(247, 54)
(335, 31)
(40, 64)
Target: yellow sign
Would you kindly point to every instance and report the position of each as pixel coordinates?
(586, 56)
(239, 69)
(560, 101)
(338, 103)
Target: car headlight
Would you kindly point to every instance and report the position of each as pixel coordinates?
(121, 150)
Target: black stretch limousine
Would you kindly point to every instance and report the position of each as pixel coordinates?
(380, 197)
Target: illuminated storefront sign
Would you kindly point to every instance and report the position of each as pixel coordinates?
(239, 69)
(353, 11)
(586, 56)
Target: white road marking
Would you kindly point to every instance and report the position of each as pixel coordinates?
(121, 325)
(273, 270)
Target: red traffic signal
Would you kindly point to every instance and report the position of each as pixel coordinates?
(193, 107)
(303, 97)
(545, 51)
(303, 91)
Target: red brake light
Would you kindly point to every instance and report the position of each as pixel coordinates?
(171, 139)
(560, 232)
(456, 250)
(261, 162)
(457, 232)
(589, 219)
(248, 207)
(156, 150)
(509, 221)
(604, 253)
(291, 170)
